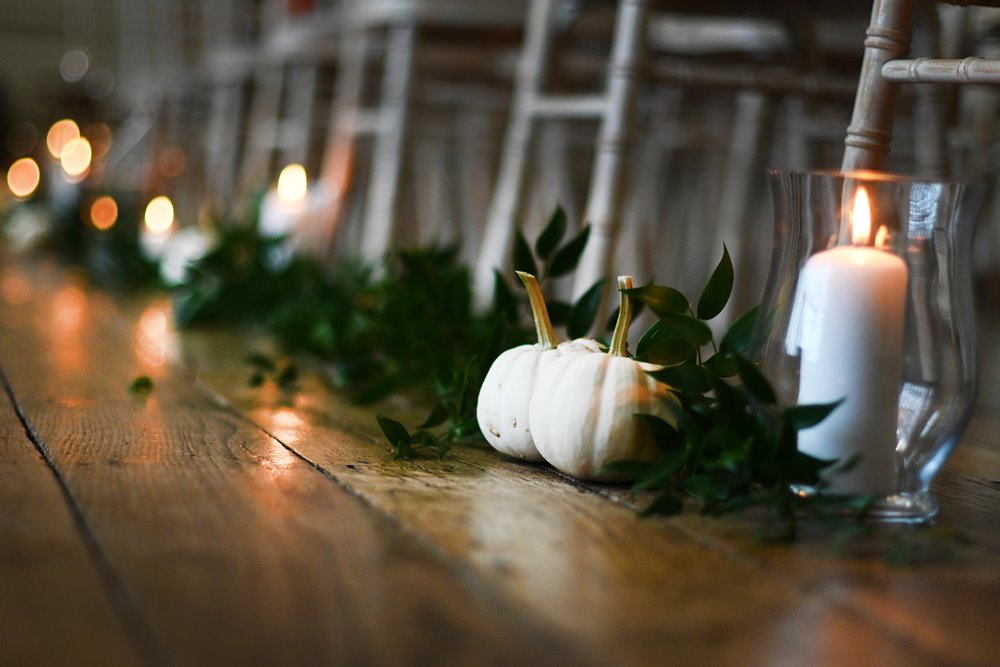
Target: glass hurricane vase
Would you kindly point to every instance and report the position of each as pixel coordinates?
(869, 303)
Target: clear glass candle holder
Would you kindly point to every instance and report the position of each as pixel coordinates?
(871, 304)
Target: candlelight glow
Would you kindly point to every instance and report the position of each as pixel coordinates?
(75, 157)
(292, 184)
(862, 218)
(61, 132)
(882, 237)
(159, 215)
(23, 177)
(104, 212)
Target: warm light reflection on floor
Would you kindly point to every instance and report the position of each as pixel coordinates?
(156, 342)
(286, 424)
(69, 314)
(14, 287)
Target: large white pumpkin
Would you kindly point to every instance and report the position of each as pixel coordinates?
(583, 408)
(502, 406)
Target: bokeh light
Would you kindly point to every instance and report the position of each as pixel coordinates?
(61, 132)
(104, 212)
(76, 156)
(171, 162)
(292, 184)
(159, 215)
(23, 177)
(74, 64)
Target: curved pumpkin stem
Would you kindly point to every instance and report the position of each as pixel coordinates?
(543, 325)
(619, 339)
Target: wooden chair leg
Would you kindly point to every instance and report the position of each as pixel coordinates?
(870, 131)
(337, 166)
(382, 203)
(604, 199)
(504, 211)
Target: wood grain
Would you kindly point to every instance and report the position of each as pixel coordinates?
(238, 552)
(57, 600)
(279, 522)
(702, 589)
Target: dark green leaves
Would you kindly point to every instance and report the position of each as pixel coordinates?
(523, 259)
(553, 233)
(581, 317)
(717, 291)
(755, 382)
(661, 299)
(567, 257)
(406, 444)
(141, 386)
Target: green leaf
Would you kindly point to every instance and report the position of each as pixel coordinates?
(739, 336)
(670, 351)
(685, 327)
(665, 504)
(806, 416)
(559, 311)
(141, 385)
(553, 233)
(504, 301)
(755, 382)
(523, 259)
(581, 317)
(428, 439)
(718, 289)
(666, 437)
(257, 379)
(689, 379)
(394, 432)
(288, 376)
(722, 365)
(661, 299)
(567, 257)
(436, 417)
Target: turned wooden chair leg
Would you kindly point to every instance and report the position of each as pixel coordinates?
(605, 197)
(870, 131)
(505, 206)
(382, 203)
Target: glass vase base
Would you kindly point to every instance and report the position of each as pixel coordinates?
(911, 509)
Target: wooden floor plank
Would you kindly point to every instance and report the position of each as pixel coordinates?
(237, 551)
(625, 587)
(57, 605)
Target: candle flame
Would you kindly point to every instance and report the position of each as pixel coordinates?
(159, 215)
(292, 184)
(104, 212)
(23, 177)
(861, 219)
(882, 237)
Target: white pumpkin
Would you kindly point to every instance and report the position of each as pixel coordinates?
(583, 408)
(502, 407)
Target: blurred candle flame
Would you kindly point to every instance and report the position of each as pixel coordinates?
(76, 156)
(292, 184)
(60, 133)
(23, 177)
(862, 218)
(104, 212)
(159, 216)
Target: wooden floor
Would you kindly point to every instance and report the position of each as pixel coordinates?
(213, 524)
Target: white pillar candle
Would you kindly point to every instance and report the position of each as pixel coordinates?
(283, 209)
(853, 300)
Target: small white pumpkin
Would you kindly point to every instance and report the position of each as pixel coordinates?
(502, 407)
(584, 405)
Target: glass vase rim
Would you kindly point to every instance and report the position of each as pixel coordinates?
(874, 175)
